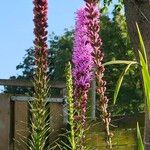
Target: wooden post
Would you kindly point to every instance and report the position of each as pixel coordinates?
(21, 125)
(4, 122)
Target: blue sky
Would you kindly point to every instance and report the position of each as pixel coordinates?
(16, 28)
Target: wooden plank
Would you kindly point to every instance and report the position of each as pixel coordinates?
(27, 98)
(26, 83)
(56, 119)
(4, 122)
(21, 125)
(12, 124)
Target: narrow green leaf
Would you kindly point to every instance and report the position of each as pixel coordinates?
(119, 62)
(139, 139)
(119, 82)
(143, 51)
(145, 70)
(146, 80)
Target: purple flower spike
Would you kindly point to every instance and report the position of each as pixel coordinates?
(82, 72)
(82, 59)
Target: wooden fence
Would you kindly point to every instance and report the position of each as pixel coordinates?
(14, 114)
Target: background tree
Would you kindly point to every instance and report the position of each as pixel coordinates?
(137, 11)
(117, 46)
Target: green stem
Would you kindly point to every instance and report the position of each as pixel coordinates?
(69, 88)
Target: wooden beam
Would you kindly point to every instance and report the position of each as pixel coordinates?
(27, 83)
(27, 98)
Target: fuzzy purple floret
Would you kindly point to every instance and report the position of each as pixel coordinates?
(82, 58)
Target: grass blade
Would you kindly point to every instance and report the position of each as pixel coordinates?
(119, 82)
(145, 69)
(115, 62)
(139, 139)
(142, 47)
(146, 80)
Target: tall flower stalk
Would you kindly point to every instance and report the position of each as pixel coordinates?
(93, 26)
(82, 66)
(39, 124)
(71, 111)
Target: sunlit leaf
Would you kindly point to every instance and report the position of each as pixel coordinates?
(146, 80)
(143, 51)
(145, 71)
(139, 139)
(119, 82)
(114, 62)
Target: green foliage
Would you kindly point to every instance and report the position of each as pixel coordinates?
(118, 5)
(106, 3)
(130, 96)
(61, 51)
(144, 69)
